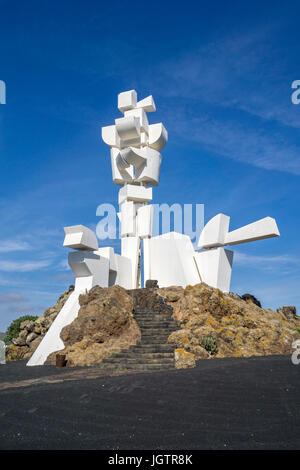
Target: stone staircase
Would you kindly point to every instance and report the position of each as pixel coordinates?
(151, 352)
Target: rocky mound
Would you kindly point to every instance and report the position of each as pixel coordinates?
(215, 324)
(105, 325)
(211, 324)
(32, 332)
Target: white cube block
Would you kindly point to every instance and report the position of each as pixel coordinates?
(145, 221)
(141, 115)
(128, 128)
(110, 136)
(80, 237)
(128, 219)
(133, 192)
(127, 100)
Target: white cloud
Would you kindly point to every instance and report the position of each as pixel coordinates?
(240, 88)
(23, 266)
(246, 259)
(7, 246)
(12, 297)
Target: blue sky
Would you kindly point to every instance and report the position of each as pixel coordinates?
(221, 76)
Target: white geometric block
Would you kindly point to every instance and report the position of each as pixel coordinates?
(144, 221)
(52, 341)
(158, 136)
(80, 237)
(120, 175)
(122, 276)
(172, 260)
(110, 136)
(89, 269)
(259, 230)
(149, 173)
(128, 128)
(214, 232)
(147, 104)
(144, 139)
(109, 253)
(132, 156)
(2, 352)
(133, 192)
(147, 259)
(127, 100)
(141, 116)
(128, 219)
(130, 249)
(215, 266)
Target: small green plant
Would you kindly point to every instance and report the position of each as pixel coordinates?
(14, 328)
(298, 330)
(210, 344)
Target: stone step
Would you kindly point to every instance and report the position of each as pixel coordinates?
(153, 315)
(146, 316)
(133, 367)
(158, 330)
(151, 348)
(130, 360)
(161, 339)
(154, 341)
(158, 325)
(143, 355)
(156, 322)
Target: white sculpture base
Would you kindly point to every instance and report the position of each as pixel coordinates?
(102, 267)
(52, 342)
(172, 261)
(215, 266)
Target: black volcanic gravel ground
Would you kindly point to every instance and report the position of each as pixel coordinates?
(231, 403)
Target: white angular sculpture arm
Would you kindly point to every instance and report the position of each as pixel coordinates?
(215, 232)
(259, 230)
(147, 104)
(80, 237)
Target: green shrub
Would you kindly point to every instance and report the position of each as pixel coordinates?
(298, 330)
(210, 344)
(14, 328)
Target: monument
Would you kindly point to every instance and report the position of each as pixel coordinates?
(170, 258)
(2, 352)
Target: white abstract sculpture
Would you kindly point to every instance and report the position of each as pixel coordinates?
(135, 158)
(2, 352)
(169, 258)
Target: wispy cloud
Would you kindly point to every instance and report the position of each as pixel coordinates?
(232, 97)
(7, 246)
(23, 266)
(246, 259)
(238, 141)
(12, 297)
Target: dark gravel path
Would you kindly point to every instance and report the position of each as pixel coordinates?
(232, 403)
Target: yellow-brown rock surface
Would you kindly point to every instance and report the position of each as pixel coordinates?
(225, 325)
(105, 325)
